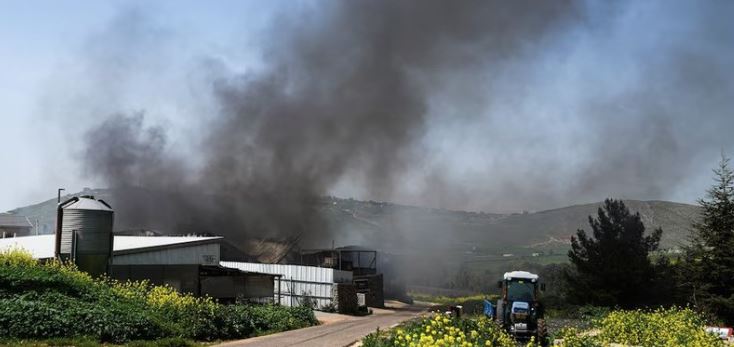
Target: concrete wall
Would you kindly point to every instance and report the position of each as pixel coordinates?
(206, 254)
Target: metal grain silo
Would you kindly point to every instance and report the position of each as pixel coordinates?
(84, 233)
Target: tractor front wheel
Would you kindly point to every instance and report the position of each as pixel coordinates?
(542, 335)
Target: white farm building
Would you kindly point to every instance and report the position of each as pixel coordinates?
(201, 265)
(186, 263)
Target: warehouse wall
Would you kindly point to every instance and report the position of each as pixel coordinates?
(300, 283)
(184, 278)
(206, 254)
(224, 287)
(260, 287)
(187, 279)
(297, 272)
(7, 231)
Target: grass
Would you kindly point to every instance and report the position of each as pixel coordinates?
(471, 305)
(448, 300)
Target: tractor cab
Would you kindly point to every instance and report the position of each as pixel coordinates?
(519, 309)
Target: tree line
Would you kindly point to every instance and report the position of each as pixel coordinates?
(617, 264)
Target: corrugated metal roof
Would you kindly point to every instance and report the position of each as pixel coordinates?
(123, 243)
(294, 272)
(14, 220)
(42, 246)
(85, 203)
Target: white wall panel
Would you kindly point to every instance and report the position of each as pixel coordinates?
(207, 254)
(298, 281)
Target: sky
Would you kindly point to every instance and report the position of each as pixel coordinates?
(628, 100)
(41, 42)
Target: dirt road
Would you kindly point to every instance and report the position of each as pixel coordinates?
(339, 333)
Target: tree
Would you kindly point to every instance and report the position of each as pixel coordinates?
(612, 267)
(710, 256)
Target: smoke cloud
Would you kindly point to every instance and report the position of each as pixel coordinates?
(345, 90)
(482, 105)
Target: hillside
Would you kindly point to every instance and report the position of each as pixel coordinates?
(409, 227)
(404, 229)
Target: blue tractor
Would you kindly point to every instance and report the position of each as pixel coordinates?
(519, 309)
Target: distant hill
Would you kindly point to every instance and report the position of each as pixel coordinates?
(490, 233)
(405, 229)
(44, 213)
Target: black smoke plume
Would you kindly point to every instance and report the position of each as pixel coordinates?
(346, 90)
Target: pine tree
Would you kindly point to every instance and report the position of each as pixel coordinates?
(710, 257)
(612, 267)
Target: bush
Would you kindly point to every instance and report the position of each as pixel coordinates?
(49, 300)
(87, 342)
(271, 318)
(662, 327)
(572, 337)
(57, 315)
(442, 330)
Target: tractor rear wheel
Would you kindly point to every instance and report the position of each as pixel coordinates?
(542, 335)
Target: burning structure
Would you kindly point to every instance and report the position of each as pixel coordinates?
(362, 262)
(204, 265)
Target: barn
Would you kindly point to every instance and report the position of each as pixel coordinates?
(187, 263)
(12, 225)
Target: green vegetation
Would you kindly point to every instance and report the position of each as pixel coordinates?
(442, 330)
(87, 342)
(471, 259)
(612, 267)
(447, 300)
(618, 266)
(709, 265)
(659, 328)
(48, 300)
(472, 304)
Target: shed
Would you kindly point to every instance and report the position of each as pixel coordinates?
(298, 284)
(361, 261)
(13, 225)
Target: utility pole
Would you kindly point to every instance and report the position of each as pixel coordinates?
(58, 199)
